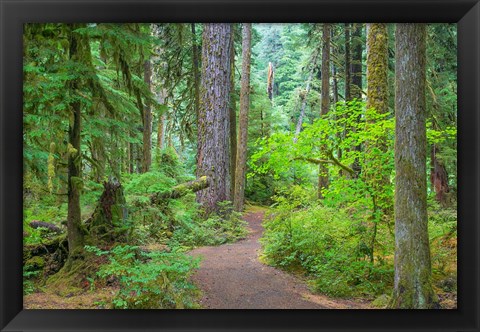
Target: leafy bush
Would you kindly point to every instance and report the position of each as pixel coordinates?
(153, 280)
(326, 243)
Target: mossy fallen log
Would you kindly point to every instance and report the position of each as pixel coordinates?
(181, 190)
(45, 248)
(46, 225)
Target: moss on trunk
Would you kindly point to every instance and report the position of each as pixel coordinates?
(412, 281)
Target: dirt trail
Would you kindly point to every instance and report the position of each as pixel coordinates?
(231, 277)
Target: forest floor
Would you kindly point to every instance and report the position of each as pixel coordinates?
(231, 276)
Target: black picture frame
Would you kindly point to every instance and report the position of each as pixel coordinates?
(14, 13)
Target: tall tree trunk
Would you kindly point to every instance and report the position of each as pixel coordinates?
(325, 95)
(147, 121)
(74, 231)
(356, 78)
(213, 155)
(270, 81)
(241, 163)
(196, 74)
(233, 114)
(412, 282)
(348, 79)
(356, 63)
(377, 67)
(304, 98)
(377, 99)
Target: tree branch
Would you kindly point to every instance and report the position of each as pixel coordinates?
(332, 160)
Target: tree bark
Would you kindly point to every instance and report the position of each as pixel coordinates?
(348, 79)
(377, 67)
(412, 281)
(325, 95)
(213, 155)
(356, 63)
(241, 162)
(196, 74)
(74, 230)
(147, 121)
(109, 218)
(233, 114)
(356, 73)
(377, 99)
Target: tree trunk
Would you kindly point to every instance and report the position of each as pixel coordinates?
(356, 78)
(412, 282)
(109, 219)
(377, 67)
(241, 163)
(233, 115)
(325, 95)
(74, 230)
(438, 177)
(196, 74)
(270, 81)
(304, 98)
(377, 99)
(213, 155)
(356, 63)
(147, 121)
(348, 79)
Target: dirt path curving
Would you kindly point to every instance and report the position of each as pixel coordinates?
(231, 277)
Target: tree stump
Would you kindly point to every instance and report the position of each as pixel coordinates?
(109, 221)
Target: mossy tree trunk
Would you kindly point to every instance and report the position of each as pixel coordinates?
(233, 115)
(109, 220)
(241, 162)
(325, 102)
(147, 120)
(74, 229)
(356, 73)
(377, 99)
(213, 154)
(196, 74)
(412, 281)
(347, 69)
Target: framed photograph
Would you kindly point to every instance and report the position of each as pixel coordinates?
(161, 157)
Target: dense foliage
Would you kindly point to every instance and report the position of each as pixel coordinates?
(136, 88)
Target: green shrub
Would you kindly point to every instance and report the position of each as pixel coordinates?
(31, 272)
(153, 280)
(324, 242)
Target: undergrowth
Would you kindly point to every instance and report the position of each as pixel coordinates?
(329, 245)
(149, 280)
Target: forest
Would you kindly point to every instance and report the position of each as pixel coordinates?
(229, 165)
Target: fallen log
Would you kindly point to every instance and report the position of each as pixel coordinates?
(47, 225)
(181, 190)
(47, 247)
